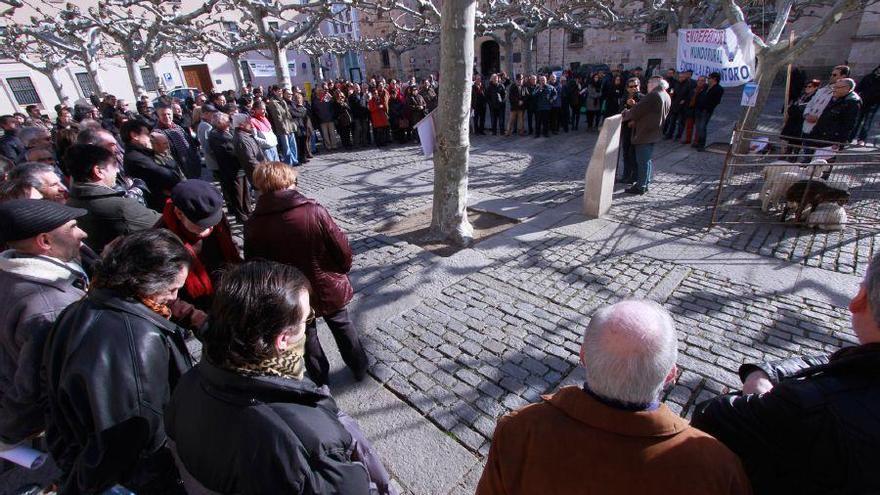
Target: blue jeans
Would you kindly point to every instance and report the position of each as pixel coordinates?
(287, 149)
(866, 121)
(271, 154)
(701, 125)
(644, 163)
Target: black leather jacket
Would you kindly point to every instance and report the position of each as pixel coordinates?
(111, 365)
(817, 431)
(262, 435)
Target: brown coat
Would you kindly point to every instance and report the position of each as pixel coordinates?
(646, 118)
(572, 444)
(290, 228)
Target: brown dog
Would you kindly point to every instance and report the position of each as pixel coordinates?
(805, 195)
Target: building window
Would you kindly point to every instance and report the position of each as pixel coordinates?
(24, 91)
(273, 26)
(151, 82)
(657, 32)
(576, 37)
(85, 84)
(246, 72)
(386, 58)
(230, 26)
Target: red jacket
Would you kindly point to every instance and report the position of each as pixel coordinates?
(290, 228)
(378, 113)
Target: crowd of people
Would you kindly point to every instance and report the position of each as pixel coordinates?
(117, 252)
(835, 114)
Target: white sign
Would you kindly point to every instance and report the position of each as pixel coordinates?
(426, 134)
(750, 94)
(291, 67)
(729, 52)
(261, 68)
(167, 76)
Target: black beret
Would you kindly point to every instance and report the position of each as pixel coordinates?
(26, 218)
(199, 201)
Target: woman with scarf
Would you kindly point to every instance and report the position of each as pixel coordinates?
(246, 419)
(111, 361)
(195, 214)
(792, 130)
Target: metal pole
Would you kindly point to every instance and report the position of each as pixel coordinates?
(787, 81)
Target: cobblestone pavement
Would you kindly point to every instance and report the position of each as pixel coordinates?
(491, 337)
(496, 339)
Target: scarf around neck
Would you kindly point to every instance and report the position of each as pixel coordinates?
(198, 282)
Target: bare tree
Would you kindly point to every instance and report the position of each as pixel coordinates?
(36, 55)
(146, 30)
(11, 6)
(69, 35)
(773, 52)
(281, 24)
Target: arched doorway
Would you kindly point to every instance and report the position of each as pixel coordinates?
(490, 58)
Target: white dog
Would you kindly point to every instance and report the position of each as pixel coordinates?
(828, 216)
(780, 175)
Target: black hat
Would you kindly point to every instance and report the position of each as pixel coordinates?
(26, 218)
(209, 108)
(199, 201)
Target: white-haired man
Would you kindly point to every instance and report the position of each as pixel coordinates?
(612, 435)
(810, 424)
(646, 123)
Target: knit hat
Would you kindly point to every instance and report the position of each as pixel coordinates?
(199, 201)
(26, 218)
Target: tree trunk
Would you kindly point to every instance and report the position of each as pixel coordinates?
(279, 56)
(527, 46)
(237, 73)
(135, 76)
(340, 65)
(508, 54)
(769, 66)
(449, 219)
(53, 76)
(94, 75)
(401, 75)
(160, 81)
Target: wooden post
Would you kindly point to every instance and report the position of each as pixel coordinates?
(787, 80)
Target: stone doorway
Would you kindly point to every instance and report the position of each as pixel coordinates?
(490, 58)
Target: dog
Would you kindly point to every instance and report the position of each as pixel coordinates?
(806, 195)
(828, 216)
(780, 175)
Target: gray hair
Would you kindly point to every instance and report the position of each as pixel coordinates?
(30, 170)
(662, 83)
(29, 134)
(849, 82)
(872, 287)
(629, 349)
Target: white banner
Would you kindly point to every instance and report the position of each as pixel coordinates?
(261, 68)
(729, 52)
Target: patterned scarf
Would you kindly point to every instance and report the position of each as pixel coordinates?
(290, 364)
(161, 309)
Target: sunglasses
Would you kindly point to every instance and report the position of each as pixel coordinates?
(633, 86)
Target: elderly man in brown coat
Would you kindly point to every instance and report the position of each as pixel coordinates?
(612, 435)
(646, 123)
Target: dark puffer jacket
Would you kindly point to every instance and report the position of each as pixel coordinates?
(111, 365)
(290, 228)
(260, 435)
(816, 432)
(838, 119)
